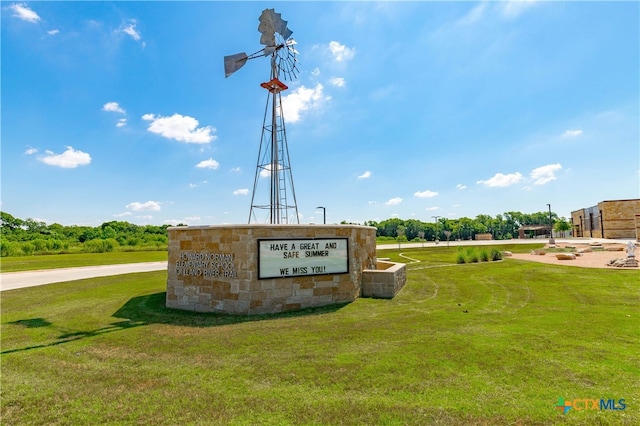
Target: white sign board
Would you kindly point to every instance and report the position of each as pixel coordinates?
(299, 257)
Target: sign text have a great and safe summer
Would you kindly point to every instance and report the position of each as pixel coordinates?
(299, 257)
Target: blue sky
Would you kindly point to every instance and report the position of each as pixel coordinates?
(121, 110)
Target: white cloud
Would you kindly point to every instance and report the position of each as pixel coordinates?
(70, 159)
(235, 169)
(113, 107)
(337, 81)
(315, 72)
(189, 219)
(341, 52)
(143, 207)
(365, 175)
(572, 133)
(394, 201)
(180, 127)
(208, 164)
(195, 185)
(434, 208)
(501, 180)
(474, 15)
(461, 186)
(53, 32)
(425, 194)
(243, 191)
(121, 122)
(512, 9)
(302, 99)
(131, 30)
(31, 151)
(23, 12)
(545, 174)
(123, 214)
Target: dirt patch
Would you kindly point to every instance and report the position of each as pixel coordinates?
(597, 258)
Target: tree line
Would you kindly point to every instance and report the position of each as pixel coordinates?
(501, 227)
(25, 237)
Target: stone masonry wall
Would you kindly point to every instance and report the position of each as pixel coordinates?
(618, 218)
(385, 281)
(215, 269)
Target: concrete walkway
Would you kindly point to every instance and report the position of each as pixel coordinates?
(14, 280)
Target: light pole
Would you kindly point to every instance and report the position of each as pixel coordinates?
(324, 214)
(435, 219)
(551, 240)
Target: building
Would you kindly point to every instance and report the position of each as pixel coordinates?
(609, 219)
(533, 231)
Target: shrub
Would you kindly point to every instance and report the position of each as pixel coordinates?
(110, 244)
(461, 258)
(54, 244)
(496, 255)
(99, 245)
(39, 244)
(484, 255)
(27, 248)
(9, 248)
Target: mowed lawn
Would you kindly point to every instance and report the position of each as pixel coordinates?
(484, 343)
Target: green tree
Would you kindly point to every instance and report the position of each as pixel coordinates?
(8, 223)
(562, 225)
(389, 227)
(413, 228)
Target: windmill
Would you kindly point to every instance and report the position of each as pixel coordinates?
(273, 154)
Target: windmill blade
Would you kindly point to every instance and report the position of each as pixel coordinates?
(233, 63)
(286, 32)
(267, 27)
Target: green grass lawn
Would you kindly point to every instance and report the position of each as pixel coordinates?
(487, 343)
(28, 263)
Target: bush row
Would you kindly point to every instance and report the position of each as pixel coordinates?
(476, 254)
(54, 246)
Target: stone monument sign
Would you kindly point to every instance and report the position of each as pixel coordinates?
(255, 269)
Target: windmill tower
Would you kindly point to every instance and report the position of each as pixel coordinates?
(273, 168)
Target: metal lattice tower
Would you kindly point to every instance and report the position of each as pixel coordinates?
(273, 168)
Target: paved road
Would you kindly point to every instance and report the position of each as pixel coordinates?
(14, 280)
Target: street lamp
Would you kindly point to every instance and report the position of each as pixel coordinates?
(324, 214)
(435, 219)
(551, 240)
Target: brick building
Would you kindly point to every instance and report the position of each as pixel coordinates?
(608, 219)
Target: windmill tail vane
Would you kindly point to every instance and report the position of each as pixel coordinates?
(276, 37)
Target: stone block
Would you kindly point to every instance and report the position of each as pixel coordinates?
(280, 292)
(303, 292)
(320, 291)
(291, 306)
